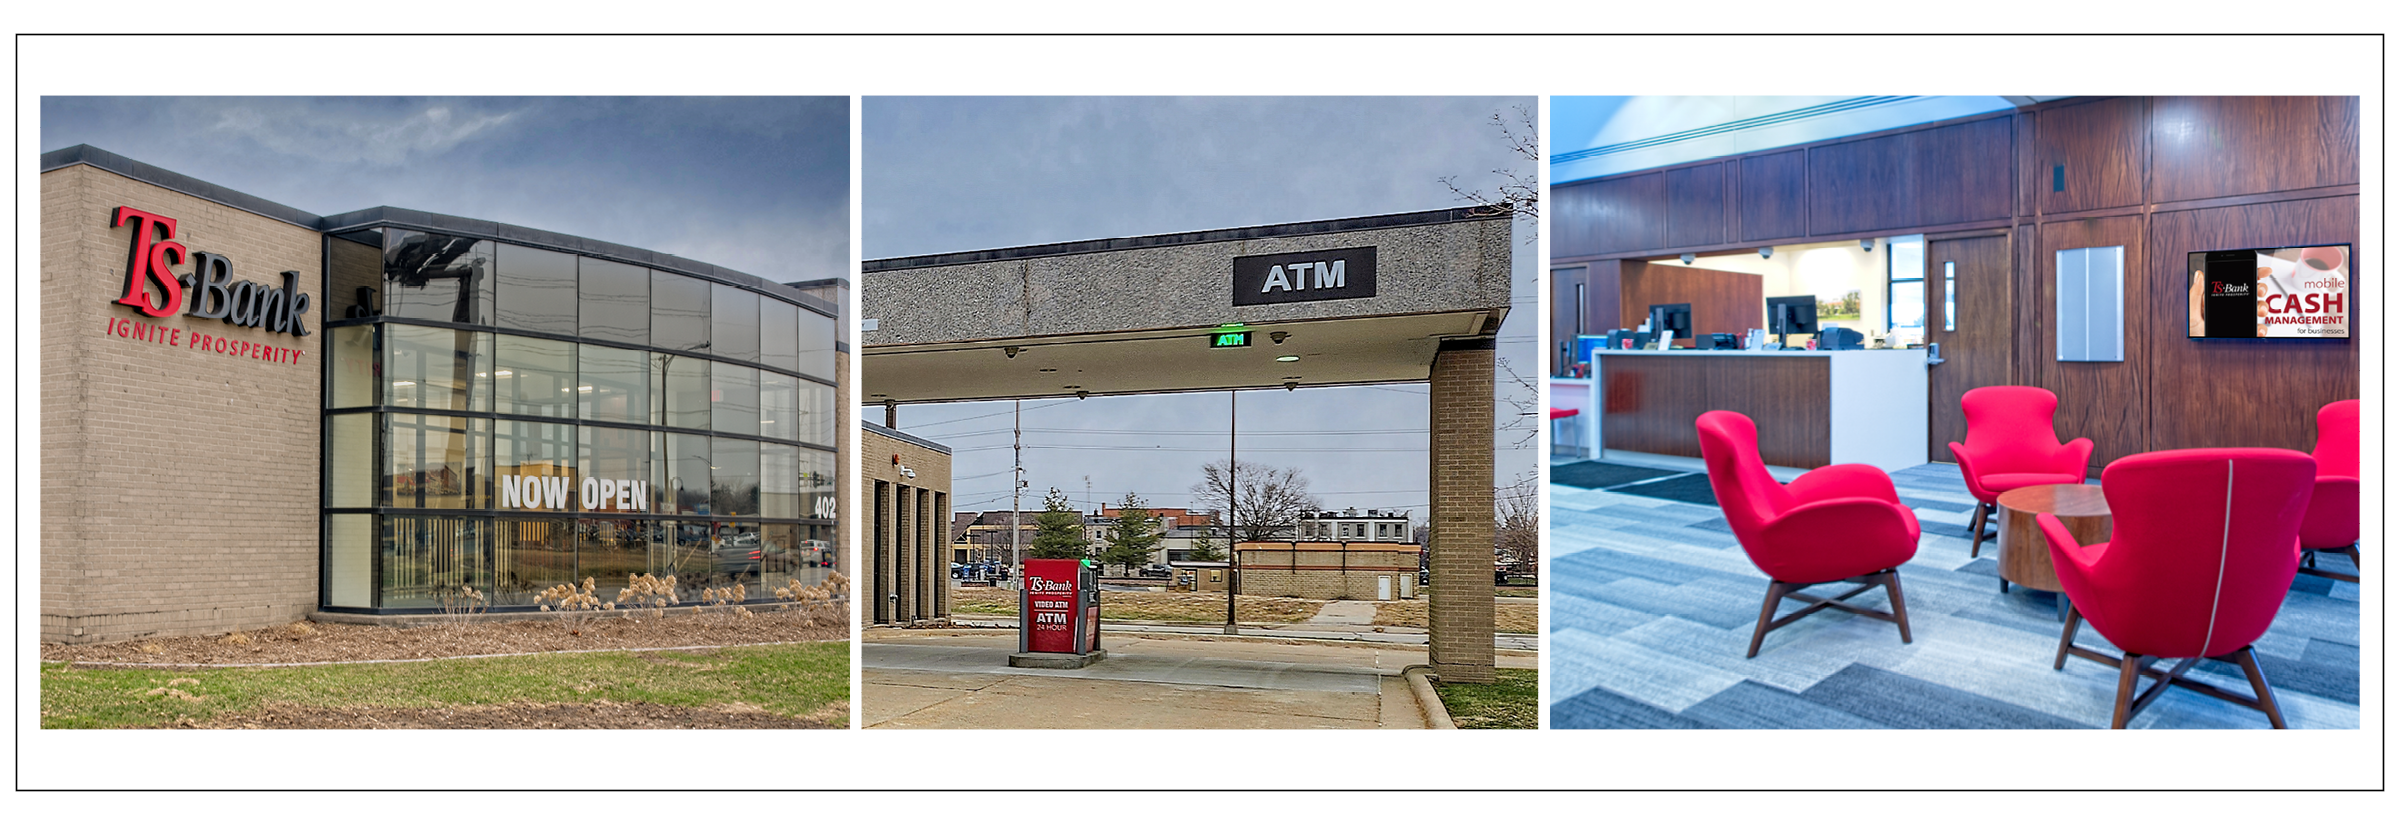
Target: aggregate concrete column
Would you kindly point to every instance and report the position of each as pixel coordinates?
(1460, 470)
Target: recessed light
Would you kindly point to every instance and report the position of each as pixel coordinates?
(1287, 358)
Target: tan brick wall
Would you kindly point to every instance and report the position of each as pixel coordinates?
(913, 560)
(1461, 608)
(179, 486)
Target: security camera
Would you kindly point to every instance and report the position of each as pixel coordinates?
(1766, 252)
(1688, 258)
(1866, 244)
(1278, 337)
(1289, 386)
(1012, 351)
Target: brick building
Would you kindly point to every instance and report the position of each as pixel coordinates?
(1312, 570)
(907, 493)
(253, 415)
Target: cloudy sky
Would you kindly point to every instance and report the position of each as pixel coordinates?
(757, 184)
(953, 174)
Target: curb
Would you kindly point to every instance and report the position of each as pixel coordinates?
(1437, 716)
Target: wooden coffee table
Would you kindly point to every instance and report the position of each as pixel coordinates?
(2024, 553)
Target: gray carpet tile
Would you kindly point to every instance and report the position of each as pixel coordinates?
(1598, 708)
(1596, 474)
(1896, 701)
(1751, 705)
(1653, 603)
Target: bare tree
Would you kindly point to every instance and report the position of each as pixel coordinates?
(1517, 527)
(1525, 401)
(1520, 189)
(1261, 503)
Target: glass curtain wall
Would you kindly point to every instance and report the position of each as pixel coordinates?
(508, 418)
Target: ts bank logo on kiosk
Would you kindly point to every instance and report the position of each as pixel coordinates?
(2291, 292)
(212, 290)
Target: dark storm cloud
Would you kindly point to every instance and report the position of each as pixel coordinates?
(756, 184)
(951, 174)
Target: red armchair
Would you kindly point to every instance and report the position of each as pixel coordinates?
(2011, 444)
(2332, 521)
(2204, 548)
(1842, 523)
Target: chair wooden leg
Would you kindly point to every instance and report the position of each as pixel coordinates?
(2066, 640)
(2129, 676)
(1891, 587)
(2258, 685)
(1766, 615)
(1977, 528)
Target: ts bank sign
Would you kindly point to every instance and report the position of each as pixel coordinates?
(153, 289)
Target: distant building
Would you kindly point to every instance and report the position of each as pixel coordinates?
(1354, 524)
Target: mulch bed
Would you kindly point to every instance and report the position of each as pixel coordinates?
(302, 642)
(529, 716)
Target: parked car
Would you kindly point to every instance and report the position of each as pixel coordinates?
(1156, 571)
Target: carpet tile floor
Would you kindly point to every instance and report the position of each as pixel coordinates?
(1652, 605)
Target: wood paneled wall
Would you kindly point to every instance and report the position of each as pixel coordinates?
(2162, 177)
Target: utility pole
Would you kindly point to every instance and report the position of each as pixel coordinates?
(1233, 504)
(1016, 503)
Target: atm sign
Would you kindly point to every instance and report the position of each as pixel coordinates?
(1229, 339)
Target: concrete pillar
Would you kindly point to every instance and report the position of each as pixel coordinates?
(1460, 464)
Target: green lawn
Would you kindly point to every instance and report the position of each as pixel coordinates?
(793, 679)
(1513, 702)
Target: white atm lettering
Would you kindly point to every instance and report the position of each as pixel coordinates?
(1327, 275)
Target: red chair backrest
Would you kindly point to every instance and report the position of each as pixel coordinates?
(2204, 549)
(2002, 418)
(2337, 439)
(1748, 493)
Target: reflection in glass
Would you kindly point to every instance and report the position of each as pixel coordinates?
(779, 481)
(534, 376)
(678, 312)
(432, 367)
(778, 335)
(611, 552)
(533, 466)
(794, 554)
(740, 555)
(778, 406)
(733, 391)
(689, 558)
(537, 289)
(437, 277)
(816, 413)
(426, 559)
(353, 366)
(437, 461)
(530, 555)
(615, 384)
(350, 560)
(1908, 305)
(615, 301)
(816, 344)
(816, 484)
(683, 397)
(354, 275)
(350, 474)
(688, 473)
(733, 323)
(733, 477)
(616, 465)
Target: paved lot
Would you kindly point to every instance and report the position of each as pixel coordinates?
(961, 679)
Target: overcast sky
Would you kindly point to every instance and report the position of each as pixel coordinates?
(953, 174)
(756, 184)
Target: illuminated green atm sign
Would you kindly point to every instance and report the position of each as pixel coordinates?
(1222, 339)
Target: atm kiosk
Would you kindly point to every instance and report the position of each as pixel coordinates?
(1058, 615)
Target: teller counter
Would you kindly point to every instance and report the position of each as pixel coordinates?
(1813, 408)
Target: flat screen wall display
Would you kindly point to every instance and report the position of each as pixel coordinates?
(2286, 292)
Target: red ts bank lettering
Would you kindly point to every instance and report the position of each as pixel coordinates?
(154, 290)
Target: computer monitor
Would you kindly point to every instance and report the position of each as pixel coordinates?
(1676, 317)
(1792, 315)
